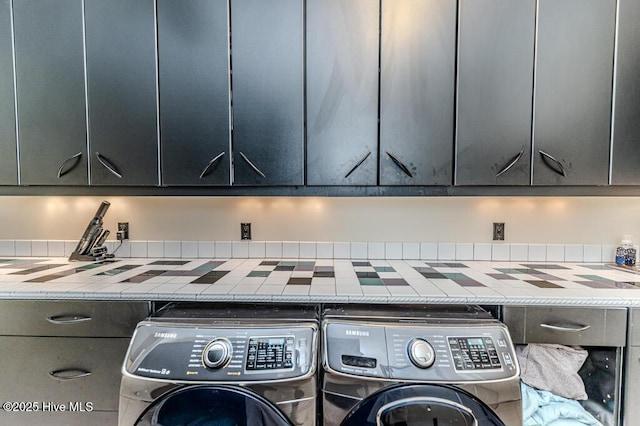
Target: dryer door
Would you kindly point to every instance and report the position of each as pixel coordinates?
(421, 404)
(212, 405)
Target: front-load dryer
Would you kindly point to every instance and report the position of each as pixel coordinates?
(222, 365)
(418, 365)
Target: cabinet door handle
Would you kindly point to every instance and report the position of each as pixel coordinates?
(205, 171)
(566, 327)
(510, 163)
(68, 319)
(400, 164)
(75, 158)
(253, 166)
(107, 165)
(552, 163)
(358, 164)
(69, 374)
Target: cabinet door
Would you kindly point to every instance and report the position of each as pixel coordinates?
(193, 57)
(416, 92)
(342, 92)
(268, 92)
(50, 92)
(121, 73)
(61, 370)
(495, 92)
(8, 161)
(573, 86)
(626, 125)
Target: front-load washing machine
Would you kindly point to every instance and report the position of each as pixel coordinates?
(222, 365)
(418, 365)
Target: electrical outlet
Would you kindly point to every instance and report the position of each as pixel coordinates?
(498, 231)
(245, 231)
(123, 231)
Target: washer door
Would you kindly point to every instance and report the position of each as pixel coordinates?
(213, 406)
(417, 404)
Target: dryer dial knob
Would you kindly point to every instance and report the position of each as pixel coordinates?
(421, 353)
(217, 353)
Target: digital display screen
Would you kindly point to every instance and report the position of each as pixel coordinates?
(276, 342)
(475, 342)
(359, 361)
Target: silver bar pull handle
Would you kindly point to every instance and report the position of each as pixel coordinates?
(253, 166)
(400, 164)
(75, 158)
(107, 165)
(69, 374)
(552, 163)
(68, 319)
(510, 163)
(210, 164)
(358, 164)
(573, 328)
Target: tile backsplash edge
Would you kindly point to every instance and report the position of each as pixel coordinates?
(325, 250)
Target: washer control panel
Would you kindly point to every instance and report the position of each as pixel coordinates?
(452, 353)
(228, 354)
(270, 353)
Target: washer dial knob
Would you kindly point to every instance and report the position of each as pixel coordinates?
(421, 353)
(217, 353)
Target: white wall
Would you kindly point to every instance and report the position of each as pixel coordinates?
(551, 220)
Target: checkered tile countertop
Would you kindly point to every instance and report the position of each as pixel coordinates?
(321, 280)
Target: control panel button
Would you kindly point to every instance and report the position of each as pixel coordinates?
(217, 353)
(421, 353)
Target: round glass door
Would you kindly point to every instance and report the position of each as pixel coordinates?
(213, 406)
(420, 405)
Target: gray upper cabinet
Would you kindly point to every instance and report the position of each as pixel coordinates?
(193, 57)
(50, 92)
(626, 124)
(8, 162)
(268, 92)
(342, 92)
(417, 92)
(573, 85)
(122, 91)
(495, 92)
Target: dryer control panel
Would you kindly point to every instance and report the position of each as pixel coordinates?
(446, 353)
(229, 354)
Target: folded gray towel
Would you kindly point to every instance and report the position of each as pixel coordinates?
(553, 368)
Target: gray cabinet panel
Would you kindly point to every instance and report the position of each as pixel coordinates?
(573, 91)
(268, 92)
(28, 361)
(626, 125)
(50, 91)
(495, 92)
(70, 318)
(121, 73)
(342, 92)
(416, 92)
(193, 56)
(8, 161)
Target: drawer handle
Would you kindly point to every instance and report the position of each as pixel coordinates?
(400, 164)
(253, 166)
(75, 159)
(566, 327)
(68, 319)
(510, 164)
(69, 374)
(358, 164)
(107, 165)
(205, 171)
